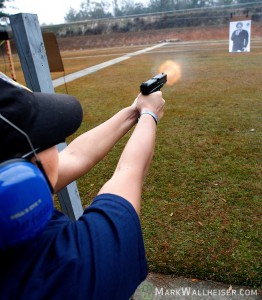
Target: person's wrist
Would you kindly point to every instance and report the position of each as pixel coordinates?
(151, 113)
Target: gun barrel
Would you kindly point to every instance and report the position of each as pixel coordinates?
(154, 84)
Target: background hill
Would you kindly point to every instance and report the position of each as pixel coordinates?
(151, 37)
(188, 25)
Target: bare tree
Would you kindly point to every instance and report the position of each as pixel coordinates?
(89, 10)
(2, 6)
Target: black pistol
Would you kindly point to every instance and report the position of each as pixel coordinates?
(154, 84)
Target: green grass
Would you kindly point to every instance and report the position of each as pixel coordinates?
(201, 212)
(201, 208)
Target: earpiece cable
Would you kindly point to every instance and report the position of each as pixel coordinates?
(38, 162)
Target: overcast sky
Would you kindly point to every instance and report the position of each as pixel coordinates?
(48, 11)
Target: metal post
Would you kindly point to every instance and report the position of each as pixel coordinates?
(32, 54)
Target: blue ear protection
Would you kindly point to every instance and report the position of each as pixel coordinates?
(26, 203)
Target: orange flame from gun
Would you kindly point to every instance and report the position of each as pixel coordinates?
(172, 69)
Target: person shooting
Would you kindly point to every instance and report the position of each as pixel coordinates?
(44, 254)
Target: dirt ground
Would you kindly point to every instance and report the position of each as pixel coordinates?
(151, 37)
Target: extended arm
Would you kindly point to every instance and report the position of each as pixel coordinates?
(135, 160)
(89, 148)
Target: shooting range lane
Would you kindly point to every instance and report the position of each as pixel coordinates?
(60, 81)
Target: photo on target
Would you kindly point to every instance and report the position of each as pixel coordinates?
(239, 36)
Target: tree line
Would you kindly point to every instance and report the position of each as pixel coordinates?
(2, 6)
(94, 9)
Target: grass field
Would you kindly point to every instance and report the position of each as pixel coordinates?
(201, 211)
